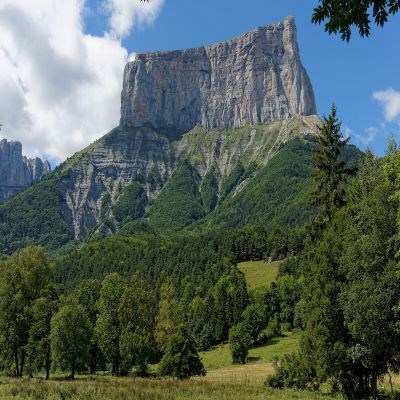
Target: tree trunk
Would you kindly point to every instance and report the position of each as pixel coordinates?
(23, 356)
(16, 360)
(47, 365)
(73, 369)
(374, 385)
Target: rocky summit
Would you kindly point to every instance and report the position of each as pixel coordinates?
(255, 78)
(17, 171)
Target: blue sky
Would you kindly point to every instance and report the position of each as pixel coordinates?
(61, 64)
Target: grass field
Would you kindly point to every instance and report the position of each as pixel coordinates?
(220, 357)
(110, 388)
(259, 273)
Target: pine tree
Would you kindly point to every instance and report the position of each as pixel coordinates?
(331, 172)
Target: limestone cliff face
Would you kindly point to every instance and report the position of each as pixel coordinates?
(255, 78)
(16, 170)
(94, 182)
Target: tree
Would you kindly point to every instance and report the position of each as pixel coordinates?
(87, 294)
(42, 311)
(181, 359)
(22, 277)
(239, 343)
(137, 312)
(254, 320)
(331, 172)
(341, 15)
(108, 327)
(169, 316)
(230, 299)
(70, 337)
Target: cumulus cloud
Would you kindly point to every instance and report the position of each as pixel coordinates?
(60, 87)
(390, 102)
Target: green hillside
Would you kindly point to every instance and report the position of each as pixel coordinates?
(274, 195)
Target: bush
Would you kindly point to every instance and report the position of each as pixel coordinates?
(181, 359)
(239, 343)
(289, 372)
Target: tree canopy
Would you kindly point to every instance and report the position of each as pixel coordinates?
(340, 16)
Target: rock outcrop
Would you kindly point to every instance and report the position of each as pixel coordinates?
(255, 78)
(17, 171)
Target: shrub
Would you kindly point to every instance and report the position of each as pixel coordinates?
(239, 343)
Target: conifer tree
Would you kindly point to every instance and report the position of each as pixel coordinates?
(331, 172)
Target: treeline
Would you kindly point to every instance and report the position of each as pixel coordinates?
(123, 323)
(199, 258)
(349, 304)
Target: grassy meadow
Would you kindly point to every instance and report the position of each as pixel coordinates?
(110, 388)
(259, 273)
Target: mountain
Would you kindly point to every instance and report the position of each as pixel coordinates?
(216, 136)
(255, 78)
(17, 171)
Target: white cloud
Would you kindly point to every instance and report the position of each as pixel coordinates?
(390, 102)
(367, 137)
(126, 13)
(59, 87)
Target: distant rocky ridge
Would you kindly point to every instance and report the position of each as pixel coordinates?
(255, 78)
(17, 171)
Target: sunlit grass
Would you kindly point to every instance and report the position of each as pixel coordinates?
(109, 388)
(259, 273)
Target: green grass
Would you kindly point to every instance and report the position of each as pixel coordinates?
(110, 388)
(259, 273)
(220, 356)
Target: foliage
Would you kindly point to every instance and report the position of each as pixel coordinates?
(229, 298)
(42, 311)
(136, 312)
(254, 320)
(33, 217)
(70, 336)
(239, 343)
(179, 202)
(342, 15)
(331, 172)
(108, 327)
(181, 359)
(169, 316)
(131, 203)
(209, 191)
(22, 277)
(232, 180)
(87, 294)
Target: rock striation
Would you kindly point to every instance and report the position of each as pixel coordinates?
(255, 78)
(17, 171)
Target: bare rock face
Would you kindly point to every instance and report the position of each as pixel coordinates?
(16, 171)
(255, 78)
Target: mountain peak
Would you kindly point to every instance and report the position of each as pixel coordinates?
(255, 78)
(17, 171)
